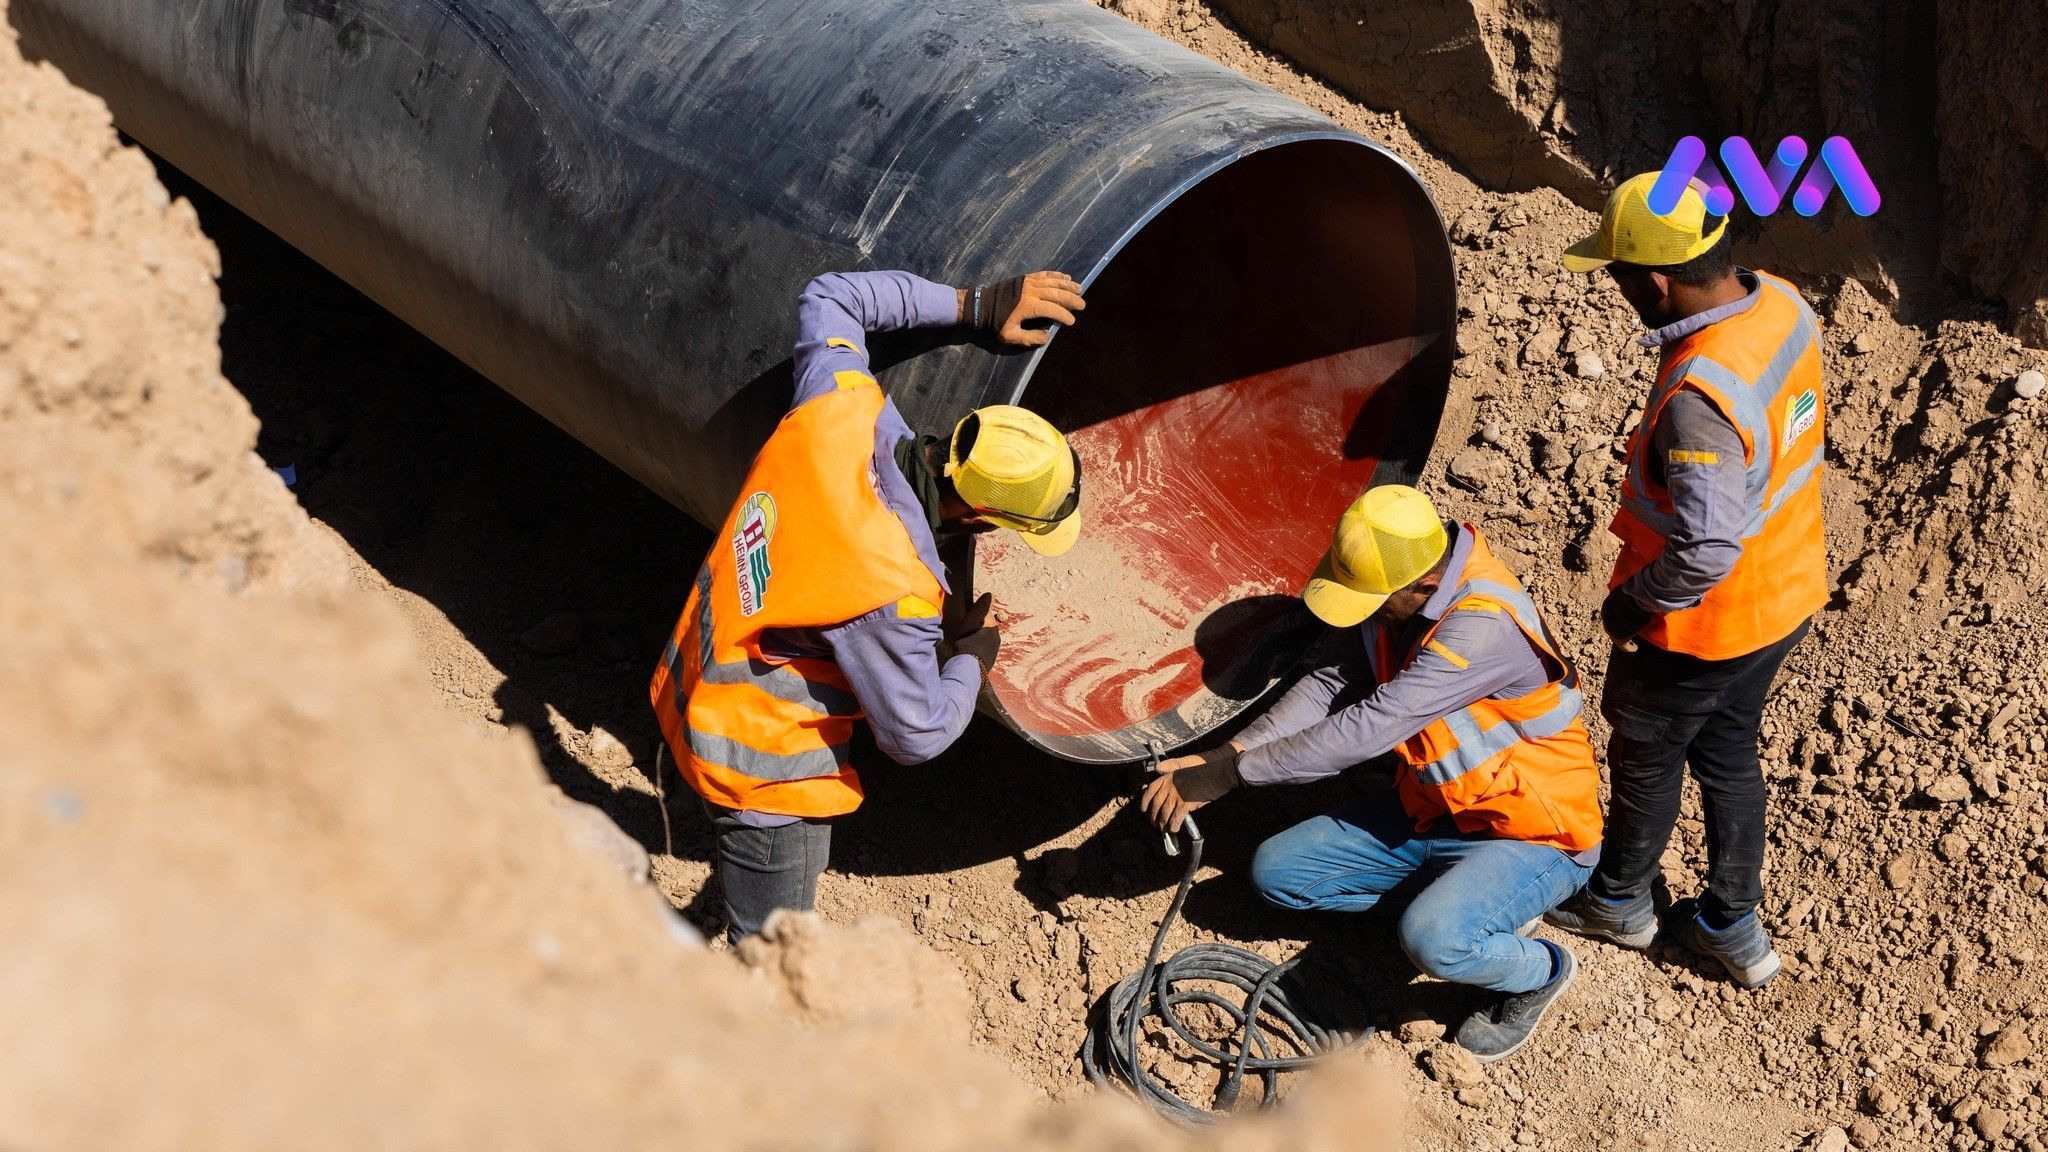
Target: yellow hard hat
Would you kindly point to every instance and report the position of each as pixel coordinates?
(1630, 232)
(1389, 538)
(1016, 470)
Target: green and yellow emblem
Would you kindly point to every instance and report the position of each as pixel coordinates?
(752, 530)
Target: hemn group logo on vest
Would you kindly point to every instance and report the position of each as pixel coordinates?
(750, 536)
(1805, 410)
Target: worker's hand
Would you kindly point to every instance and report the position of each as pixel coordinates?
(968, 619)
(1622, 617)
(1007, 306)
(970, 634)
(982, 644)
(1185, 783)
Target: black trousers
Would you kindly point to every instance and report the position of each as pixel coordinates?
(762, 869)
(1669, 711)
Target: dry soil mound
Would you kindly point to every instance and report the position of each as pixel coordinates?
(262, 890)
(244, 848)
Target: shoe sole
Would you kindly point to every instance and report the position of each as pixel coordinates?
(1635, 941)
(1571, 976)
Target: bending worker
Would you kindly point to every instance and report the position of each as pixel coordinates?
(823, 598)
(1445, 662)
(1723, 563)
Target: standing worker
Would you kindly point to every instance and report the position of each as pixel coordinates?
(1445, 662)
(1723, 564)
(823, 598)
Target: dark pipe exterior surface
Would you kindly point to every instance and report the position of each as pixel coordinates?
(609, 207)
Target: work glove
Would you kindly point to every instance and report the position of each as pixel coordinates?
(970, 634)
(1622, 617)
(1186, 783)
(983, 646)
(969, 616)
(1007, 305)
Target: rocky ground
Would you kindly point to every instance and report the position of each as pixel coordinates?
(1910, 788)
(263, 888)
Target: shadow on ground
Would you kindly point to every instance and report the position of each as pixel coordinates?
(459, 494)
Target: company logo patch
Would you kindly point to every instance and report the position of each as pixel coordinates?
(750, 536)
(1801, 416)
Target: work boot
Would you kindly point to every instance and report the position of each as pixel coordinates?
(1629, 923)
(1500, 1029)
(1742, 947)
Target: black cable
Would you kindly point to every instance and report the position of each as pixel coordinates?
(1273, 1003)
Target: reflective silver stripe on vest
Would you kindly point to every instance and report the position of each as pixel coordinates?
(1799, 478)
(780, 682)
(753, 762)
(1752, 404)
(704, 614)
(764, 765)
(1518, 603)
(784, 685)
(1477, 745)
(1634, 494)
(1525, 612)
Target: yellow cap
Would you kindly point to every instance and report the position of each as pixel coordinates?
(1630, 232)
(1018, 472)
(1389, 538)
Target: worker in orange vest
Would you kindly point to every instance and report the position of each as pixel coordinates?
(1446, 663)
(1723, 563)
(824, 600)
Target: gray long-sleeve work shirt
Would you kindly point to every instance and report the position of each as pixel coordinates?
(915, 706)
(1697, 455)
(1337, 716)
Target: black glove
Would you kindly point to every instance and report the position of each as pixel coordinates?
(1622, 616)
(982, 644)
(1215, 775)
(1019, 309)
(964, 616)
(1177, 791)
(991, 304)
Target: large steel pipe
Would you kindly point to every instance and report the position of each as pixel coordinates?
(609, 206)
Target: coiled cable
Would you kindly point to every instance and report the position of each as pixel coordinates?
(1272, 1005)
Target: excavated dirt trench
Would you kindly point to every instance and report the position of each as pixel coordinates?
(1908, 774)
(538, 580)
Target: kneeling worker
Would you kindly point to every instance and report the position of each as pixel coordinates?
(823, 597)
(1496, 797)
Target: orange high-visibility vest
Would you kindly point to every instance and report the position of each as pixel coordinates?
(809, 545)
(1761, 369)
(1520, 769)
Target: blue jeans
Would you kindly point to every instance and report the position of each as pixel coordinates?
(762, 869)
(1461, 926)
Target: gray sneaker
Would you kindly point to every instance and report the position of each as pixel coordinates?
(1499, 1030)
(1742, 948)
(1629, 923)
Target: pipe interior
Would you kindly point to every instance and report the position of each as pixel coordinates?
(1273, 342)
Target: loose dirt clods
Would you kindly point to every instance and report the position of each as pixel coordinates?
(263, 890)
(247, 845)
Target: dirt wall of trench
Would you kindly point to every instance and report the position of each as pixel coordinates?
(264, 890)
(269, 825)
(1946, 101)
